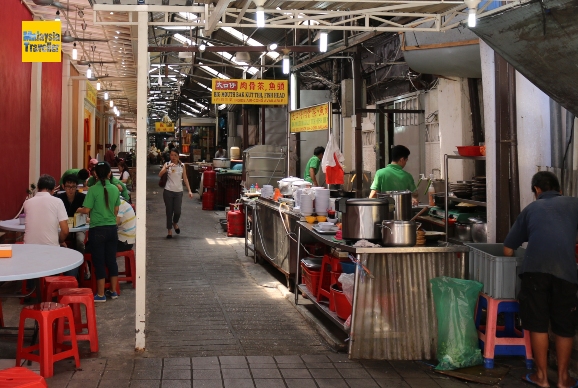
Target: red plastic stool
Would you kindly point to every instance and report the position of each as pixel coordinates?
(74, 297)
(55, 283)
(129, 267)
(45, 314)
(330, 269)
(19, 377)
(501, 340)
(91, 283)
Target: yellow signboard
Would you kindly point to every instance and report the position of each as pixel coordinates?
(90, 93)
(255, 92)
(41, 41)
(163, 127)
(314, 118)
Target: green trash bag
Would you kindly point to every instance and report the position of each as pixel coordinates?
(455, 301)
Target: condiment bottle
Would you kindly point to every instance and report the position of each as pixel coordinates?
(431, 191)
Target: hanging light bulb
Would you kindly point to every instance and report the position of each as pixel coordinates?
(111, 103)
(323, 41)
(97, 84)
(260, 17)
(472, 17)
(89, 72)
(105, 96)
(160, 77)
(286, 64)
(202, 47)
(74, 52)
(57, 18)
(272, 47)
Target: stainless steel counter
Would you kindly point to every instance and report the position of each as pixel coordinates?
(393, 314)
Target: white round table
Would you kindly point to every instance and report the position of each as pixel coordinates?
(31, 261)
(14, 226)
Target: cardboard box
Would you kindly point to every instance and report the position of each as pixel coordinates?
(70, 222)
(5, 251)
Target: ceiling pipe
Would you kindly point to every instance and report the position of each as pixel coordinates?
(233, 49)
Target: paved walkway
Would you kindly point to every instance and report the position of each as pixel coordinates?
(216, 319)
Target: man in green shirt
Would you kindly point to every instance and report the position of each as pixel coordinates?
(313, 164)
(392, 177)
(81, 174)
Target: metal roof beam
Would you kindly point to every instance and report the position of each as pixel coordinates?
(215, 15)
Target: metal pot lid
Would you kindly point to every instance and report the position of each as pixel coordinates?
(222, 159)
(367, 202)
(476, 220)
(398, 222)
(290, 179)
(398, 192)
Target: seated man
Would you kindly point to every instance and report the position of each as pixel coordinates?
(45, 214)
(126, 220)
(81, 174)
(72, 200)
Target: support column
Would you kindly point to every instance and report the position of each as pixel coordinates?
(356, 122)
(141, 152)
(35, 116)
(65, 114)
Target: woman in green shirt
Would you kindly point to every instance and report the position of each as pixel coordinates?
(313, 164)
(102, 202)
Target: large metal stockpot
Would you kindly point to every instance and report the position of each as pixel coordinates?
(398, 233)
(400, 204)
(359, 216)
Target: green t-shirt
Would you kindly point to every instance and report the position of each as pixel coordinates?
(115, 181)
(313, 163)
(392, 178)
(100, 214)
(73, 171)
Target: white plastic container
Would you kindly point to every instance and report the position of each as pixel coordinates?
(235, 153)
(498, 273)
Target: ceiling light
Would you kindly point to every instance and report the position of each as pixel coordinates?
(272, 47)
(260, 17)
(74, 52)
(111, 104)
(323, 41)
(105, 96)
(242, 58)
(112, 13)
(471, 17)
(57, 18)
(116, 37)
(98, 85)
(89, 72)
(202, 47)
(118, 32)
(286, 64)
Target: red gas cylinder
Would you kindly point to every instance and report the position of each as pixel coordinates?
(209, 178)
(235, 223)
(209, 200)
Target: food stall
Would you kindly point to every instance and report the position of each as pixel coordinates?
(393, 314)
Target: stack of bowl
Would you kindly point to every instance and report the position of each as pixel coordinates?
(321, 201)
(306, 203)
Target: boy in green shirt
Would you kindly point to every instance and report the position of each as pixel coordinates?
(392, 177)
(313, 164)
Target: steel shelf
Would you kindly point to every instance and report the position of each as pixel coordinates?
(323, 308)
(456, 199)
(466, 157)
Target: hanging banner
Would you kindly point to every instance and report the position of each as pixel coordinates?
(90, 93)
(313, 118)
(255, 92)
(163, 127)
(41, 41)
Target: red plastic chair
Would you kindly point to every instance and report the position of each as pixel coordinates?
(55, 283)
(129, 267)
(19, 377)
(46, 314)
(74, 297)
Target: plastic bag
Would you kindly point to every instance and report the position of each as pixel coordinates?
(455, 301)
(347, 280)
(332, 158)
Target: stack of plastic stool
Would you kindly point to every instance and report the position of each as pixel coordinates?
(55, 283)
(504, 340)
(19, 377)
(129, 267)
(74, 297)
(45, 314)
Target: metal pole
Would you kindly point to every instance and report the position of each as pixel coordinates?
(297, 269)
(141, 154)
(446, 197)
(356, 119)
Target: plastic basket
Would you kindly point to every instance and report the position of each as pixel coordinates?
(311, 279)
(342, 306)
(498, 273)
(347, 267)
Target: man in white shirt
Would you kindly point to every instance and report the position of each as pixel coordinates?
(221, 153)
(44, 215)
(126, 221)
